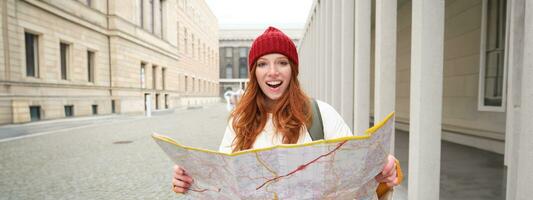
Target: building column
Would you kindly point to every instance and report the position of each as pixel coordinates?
(523, 162)
(315, 51)
(322, 50)
(514, 84)
(335, 65)
(329, 46)
(361, 100)
(346, 61)
(426, 99)
(385, 67)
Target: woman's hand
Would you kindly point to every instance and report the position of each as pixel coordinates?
(181, 181)
(388, 174)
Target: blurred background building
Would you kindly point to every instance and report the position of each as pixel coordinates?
(78, 58)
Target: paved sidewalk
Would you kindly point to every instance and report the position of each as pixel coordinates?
(114, 157)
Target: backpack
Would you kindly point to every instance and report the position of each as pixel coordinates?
(316, 131)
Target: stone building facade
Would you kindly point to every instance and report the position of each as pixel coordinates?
(234, 47)
(79, 58)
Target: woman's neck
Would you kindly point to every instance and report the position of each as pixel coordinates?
(269, 105)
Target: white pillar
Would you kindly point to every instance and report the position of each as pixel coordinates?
(521, 166)
(361, 107)
(514, 75)
(426, 99)
(329, 55)
(323, 53)
(346, 61)
(335, 66)
(385, 70)
(314, 58)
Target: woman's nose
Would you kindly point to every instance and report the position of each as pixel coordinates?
(273, 70)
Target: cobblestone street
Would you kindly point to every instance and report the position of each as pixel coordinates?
(117, 160)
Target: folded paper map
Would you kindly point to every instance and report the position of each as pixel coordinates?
(341, 168)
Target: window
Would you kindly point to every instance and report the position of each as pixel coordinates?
(243, 69)
(112, 106)
(35, 113)
(140, 4)
(198, 51)
(161, 17)
(192, 43)
(154, 77)
(152, 16)
(163, 77)
(178, 36)
(242, 52)
(64, 57)
(157, 101)
(203, 52)
(492, 57)
(229, 53)
(95, 109)
(90, 66)
(143, 77)
(186, 82)
(185, 36)
(69, 110)
(243, 65)
(193, 83)
(166, 101)
(32, 56)
(229, 71)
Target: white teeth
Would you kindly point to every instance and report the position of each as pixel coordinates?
(273, 82)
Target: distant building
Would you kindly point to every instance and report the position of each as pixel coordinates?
(77, 58)
(234, 46)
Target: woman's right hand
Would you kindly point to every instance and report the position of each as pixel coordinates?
(181, 181)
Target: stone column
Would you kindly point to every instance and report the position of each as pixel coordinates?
(426, 99)
(322, 51)
(521, 165)
(347, 61)
(329, 46)
(385, 63)
(335, 66)
(361, 107)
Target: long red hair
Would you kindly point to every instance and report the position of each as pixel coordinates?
(290, 113)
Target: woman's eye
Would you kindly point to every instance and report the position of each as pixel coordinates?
(283, 62)
(261, 64)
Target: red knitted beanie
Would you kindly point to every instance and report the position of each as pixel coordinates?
(272, 41)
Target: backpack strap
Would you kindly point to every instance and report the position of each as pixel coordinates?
(316, 131)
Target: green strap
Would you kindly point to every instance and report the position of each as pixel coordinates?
(316, 131)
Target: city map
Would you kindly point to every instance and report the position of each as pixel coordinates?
(341, 168)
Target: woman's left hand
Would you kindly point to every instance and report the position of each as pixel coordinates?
(388, 175)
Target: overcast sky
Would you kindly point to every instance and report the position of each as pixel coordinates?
(260, 13)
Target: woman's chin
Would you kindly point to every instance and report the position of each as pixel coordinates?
(273, 97)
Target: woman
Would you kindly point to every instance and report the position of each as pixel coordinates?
(274, 109)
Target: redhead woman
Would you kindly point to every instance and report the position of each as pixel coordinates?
(275, 110)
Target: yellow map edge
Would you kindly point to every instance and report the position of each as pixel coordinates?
(368, 133)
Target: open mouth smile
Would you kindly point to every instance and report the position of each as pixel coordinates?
(274, 84)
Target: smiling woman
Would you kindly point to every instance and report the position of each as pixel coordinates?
(273, 73)
(275, 110)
